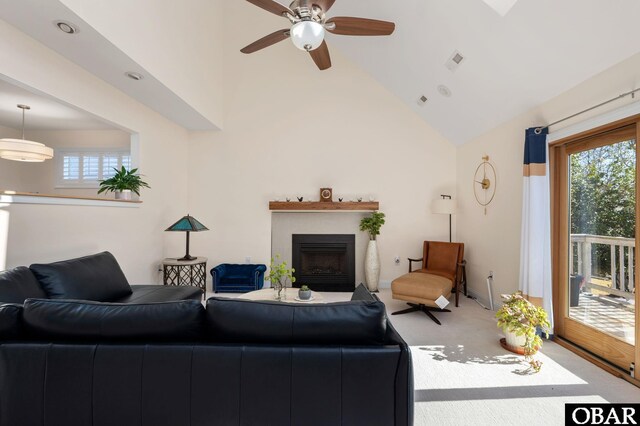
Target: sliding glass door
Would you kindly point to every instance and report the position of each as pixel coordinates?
(595, 236)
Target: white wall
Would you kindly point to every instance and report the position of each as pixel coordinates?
(493, 241)
(179, 43)
(291, 129)
(42, 233)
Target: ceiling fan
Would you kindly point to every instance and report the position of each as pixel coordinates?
(309, 25)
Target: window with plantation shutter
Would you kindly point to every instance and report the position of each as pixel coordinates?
(86, 167)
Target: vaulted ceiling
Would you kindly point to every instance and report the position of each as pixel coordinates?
(512, 63)
(538, 50)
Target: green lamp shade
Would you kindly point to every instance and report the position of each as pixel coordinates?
(187, 224)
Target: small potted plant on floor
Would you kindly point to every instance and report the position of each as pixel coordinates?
(279, 274)
(304, 293)
(520, 321)
(372, 225)
(123, 183)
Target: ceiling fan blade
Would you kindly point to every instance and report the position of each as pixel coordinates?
(321, 56)
(325, 5)
(345, 25)
(266, 41)
(272, 6)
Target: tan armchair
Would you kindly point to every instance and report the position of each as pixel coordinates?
(441, 273)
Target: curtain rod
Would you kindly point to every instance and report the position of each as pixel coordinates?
(631, 93)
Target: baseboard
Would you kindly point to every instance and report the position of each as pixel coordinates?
(384, 284)
(594, 359)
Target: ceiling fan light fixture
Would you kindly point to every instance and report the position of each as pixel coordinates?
(307, 35)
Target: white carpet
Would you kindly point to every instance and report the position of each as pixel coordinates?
(463, 376)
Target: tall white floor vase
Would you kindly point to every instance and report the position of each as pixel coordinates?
(372, 266)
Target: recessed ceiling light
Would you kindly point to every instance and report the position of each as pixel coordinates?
(134, 75)
(422, 100)
(444, 91)
(66, 27)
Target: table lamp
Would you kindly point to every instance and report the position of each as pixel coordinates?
(187, 224)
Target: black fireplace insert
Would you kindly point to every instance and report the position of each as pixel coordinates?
(325, 262)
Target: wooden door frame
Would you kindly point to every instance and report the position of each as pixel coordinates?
(617, 352)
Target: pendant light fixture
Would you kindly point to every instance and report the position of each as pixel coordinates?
(22, 149)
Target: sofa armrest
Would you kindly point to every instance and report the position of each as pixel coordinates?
(258, 276)
(10, 321)
(217, 273)
(404, 377)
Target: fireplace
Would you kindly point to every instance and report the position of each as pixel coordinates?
(324, 262)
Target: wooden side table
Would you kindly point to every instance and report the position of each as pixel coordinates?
(186, 272)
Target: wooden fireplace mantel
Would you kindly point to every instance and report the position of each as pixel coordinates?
(323, 206)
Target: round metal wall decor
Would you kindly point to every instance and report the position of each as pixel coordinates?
(484, 183)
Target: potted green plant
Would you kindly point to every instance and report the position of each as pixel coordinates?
(520, 321)
(372, 225)
(304, 293)
(279, 274)
(123, 183)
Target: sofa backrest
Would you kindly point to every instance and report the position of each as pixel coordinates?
(68, 320)
(19, 284)
(96, 277)
(343, 323)
(356, 323)
(242, 269)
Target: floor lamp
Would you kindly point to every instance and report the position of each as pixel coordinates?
(445, 205)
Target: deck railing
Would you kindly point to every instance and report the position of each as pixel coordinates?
(621, 274)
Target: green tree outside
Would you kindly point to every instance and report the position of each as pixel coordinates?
(603, 198)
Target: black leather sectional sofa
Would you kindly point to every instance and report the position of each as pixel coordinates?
(97, 277)
(233, 362)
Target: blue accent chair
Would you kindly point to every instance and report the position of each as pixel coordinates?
(234, 278)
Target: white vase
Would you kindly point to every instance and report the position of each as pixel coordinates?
(372, 266)
(125, 194)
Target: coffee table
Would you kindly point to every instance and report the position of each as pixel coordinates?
(289, 293)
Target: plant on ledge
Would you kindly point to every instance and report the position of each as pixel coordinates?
(123, 183)
(372, 224)
(279, 274)
(520, 319)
